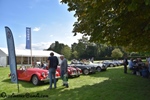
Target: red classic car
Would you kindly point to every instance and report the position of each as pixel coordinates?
(72, 72)
(34, 75)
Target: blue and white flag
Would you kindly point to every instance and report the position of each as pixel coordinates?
(28, 38)
(12, 55)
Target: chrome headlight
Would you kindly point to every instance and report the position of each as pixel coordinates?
(69, 70)
(43, 74)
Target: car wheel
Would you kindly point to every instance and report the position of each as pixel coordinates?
(99, 69)
(111, 65)
(85, 71)
(35, 80)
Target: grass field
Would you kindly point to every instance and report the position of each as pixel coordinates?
(112, 84)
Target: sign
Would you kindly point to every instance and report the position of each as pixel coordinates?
(28, 38)
(12, 55)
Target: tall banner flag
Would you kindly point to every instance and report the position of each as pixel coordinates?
(12, 55)
(28, 38)
(28, 41)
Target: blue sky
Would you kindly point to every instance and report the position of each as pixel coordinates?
(49, 20)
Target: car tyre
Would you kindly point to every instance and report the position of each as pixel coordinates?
(111, 65)
(86, 71)
(35, 80)
(99, 69)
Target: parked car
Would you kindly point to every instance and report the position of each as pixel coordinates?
(109, 63)
(34, 75)
(86, 69)
(99, 66)
(118, 62)
(72, 71)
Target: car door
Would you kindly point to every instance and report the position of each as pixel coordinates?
(21, 74)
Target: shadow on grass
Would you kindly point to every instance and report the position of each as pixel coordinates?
(99, 91)
(6, 80)
(29, 84)
(24, 83)
(118, 86)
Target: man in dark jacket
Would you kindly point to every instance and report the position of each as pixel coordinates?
(125, 62)
(52, 66)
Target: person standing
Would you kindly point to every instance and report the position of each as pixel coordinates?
(52, 66)
(63, 71)
(125, 62)
(132, 66)
(148, 60)
(92, 59)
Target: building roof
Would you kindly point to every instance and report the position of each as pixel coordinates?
(27, 53)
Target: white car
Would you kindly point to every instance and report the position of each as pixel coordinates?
(99, 66)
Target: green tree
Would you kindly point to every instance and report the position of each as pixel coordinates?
(91, 51)
(66, 51)
(116, 53)
(116, 22)
(81, 47)
(74, 55)
(57, 47)
(61, 49)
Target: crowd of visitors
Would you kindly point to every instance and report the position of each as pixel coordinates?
(139, 67)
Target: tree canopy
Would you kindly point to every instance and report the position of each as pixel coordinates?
(115, 22)
(116, 53)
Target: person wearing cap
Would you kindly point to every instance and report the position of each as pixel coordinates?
(52, 66)
(64, 71)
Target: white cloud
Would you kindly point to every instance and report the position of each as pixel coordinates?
(69, 40)
(36, 29)
(51, 35)
(41, 45)
(20, 46)
(36, 46)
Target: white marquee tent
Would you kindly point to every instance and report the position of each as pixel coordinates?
(24, 53)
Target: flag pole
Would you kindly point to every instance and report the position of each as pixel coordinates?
(17, 79)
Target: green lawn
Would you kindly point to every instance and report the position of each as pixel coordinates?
(112, 84)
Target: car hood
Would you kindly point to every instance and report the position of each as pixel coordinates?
(36, 69)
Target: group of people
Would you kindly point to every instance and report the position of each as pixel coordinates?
(52, 66)
(137, 66)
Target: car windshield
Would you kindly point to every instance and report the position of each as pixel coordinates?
(22, 68)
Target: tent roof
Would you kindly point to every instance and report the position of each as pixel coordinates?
(27, 52)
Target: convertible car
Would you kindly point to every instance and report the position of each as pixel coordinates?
(86, 69)
(99, 66)
(72, 71)
(109, 63)
(34, 75)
